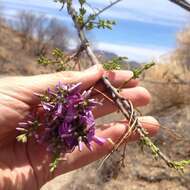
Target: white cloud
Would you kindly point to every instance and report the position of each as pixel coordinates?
(134, 52)
(150, 11)
(40, 3)
(10, 14)
(160, 12)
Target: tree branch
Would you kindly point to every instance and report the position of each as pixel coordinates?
(101, 11)
(182, 3)
(123, 104)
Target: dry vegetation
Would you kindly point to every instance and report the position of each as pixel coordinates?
(32, 36)
(170, 86)
(169, 82)
(13, 61)
(38, 34)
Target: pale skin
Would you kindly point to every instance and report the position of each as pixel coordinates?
(26, 166)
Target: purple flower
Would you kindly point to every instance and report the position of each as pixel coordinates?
(47, 106)
(67, 121)
(59, 109)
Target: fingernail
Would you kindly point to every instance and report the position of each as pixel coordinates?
(149, 120)
(131, 74)
(94, 68)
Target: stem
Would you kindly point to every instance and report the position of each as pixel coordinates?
(101, 11)
(124, 105)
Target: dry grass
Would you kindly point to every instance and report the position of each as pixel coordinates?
(169, 82)
(169, 85)
(13, 59)
(181, 55)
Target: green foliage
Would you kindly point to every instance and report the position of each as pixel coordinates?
(89, 26)
(59, 60)
(181, 164)
(22, 138)
(178, 165)
(44, 61)
(54, 163)
(138, 71)
(100, 24)
(81, 13)
(145, 141)
(57, 53)
(30, 131)
(82, 2)
(105, 24)
(90, 21)
(114, 63)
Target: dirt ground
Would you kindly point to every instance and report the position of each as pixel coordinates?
(142, 172)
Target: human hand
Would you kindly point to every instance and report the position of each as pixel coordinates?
(26, 166)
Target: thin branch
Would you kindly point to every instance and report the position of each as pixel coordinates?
(93, 9)
(182, 3)
(101, 11)
(104, 95)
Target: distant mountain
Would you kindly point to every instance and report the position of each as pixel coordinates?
(106, 55)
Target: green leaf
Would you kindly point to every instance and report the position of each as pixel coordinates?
(57, 53)
(181, 164)
(80, 20)
(90, 26)
(44, 61)
(82, 2)
(105, 24)
(138, 71)
(114, 64)
(82, 11)
(54, 163)
(91, 17)
(22, 138)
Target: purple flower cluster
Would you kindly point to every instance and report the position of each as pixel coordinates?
(67, 120)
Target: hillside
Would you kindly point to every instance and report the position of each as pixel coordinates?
(13, 59)
(17, 61)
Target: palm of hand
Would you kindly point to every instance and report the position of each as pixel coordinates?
(21, 163)
(25, 166)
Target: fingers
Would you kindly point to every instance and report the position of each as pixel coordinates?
(114, 131)
(87, 78)
(117, 79)
(23, 88)
(139, 96)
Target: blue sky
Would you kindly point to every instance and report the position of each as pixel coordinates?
(145, 30)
